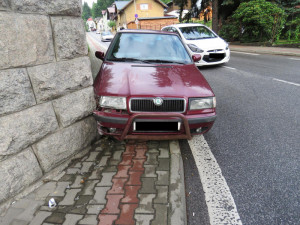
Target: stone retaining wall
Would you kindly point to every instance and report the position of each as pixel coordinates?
(46, 94)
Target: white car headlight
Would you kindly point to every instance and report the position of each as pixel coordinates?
(195, 48)
(202, 103)
(113, 102)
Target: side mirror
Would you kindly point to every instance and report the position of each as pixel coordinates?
(99, 55)
(196, 57)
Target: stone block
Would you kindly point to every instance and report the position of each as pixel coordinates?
(57, 7)
(18, 172)
(58, 147)
(56, 79)
(3, 5)
(15, 91)
(74, 106)
(19, 130)
(26, 41)
(69, 37)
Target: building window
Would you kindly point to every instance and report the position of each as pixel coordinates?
(144, 6)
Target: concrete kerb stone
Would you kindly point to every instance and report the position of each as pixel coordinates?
(177, 215)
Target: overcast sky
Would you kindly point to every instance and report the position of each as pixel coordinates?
(89, 2)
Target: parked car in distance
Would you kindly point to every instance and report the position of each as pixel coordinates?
(202, 40)
(97, 31)
(106, 36)
(148, 87)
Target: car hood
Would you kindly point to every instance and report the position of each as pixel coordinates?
(209, 43)
(127, 79)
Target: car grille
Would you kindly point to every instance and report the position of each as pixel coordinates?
(214, 57)
(147, 105)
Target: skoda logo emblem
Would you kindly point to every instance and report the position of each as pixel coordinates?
(158, 101)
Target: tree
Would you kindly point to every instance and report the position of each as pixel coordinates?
(257, 20)
(86, 11)
(97, 9)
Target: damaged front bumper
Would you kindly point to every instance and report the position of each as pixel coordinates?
(153, 126)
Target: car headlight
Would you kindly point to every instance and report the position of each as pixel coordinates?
(227, 45)
(202, 103)
(113, 102)
(194, 48)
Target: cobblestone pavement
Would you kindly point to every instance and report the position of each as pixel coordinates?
(116, 183)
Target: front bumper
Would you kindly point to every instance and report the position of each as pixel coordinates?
(123, 125)
(207, 60)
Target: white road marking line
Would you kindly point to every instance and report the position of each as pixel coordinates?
(246, 53)
(287, 82)
(294, 58)
(227, 67)
(220, 203)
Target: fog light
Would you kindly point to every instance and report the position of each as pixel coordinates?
(112, 130)
(198, 130)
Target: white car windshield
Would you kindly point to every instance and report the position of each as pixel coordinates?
(149, 48)
(196, 32)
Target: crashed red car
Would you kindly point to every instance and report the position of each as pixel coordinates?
(148, 87)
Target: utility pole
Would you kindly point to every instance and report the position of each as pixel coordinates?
(215, 16)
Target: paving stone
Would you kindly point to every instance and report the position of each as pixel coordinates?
(83, 200)
(130, 150)
(77, 183)
(99, 196)
(99, 149)
(79, 209)
(19, 222)
(138, 165)
(107, 152)
(112, 204)
(122, 172)
(107, 219)
(151, 159)
(145, 204)
(126, 160)
(163, 178)
(68, 177)
(92, 157)
(89, 187)
(86, 167)
(40, 217)
(72, 219)
(162, 195)
(127, 213)
(163, 164)
(30, 206)
(148, 186)
(96, 174)
(71, 209)
(56, 218)
(106, 179)
(60, 189)
(111, 169)
(103, 160)
(113, 162)
(78, 165)
(152, 144)
(141, 153)
(118, 186)
(10, 215)
(73, 170)
(89, 220)
(135, 178)
(84, 158)
(94, 209)
(117, 155)
(131, 194)
(164, 144)
(161, 214)
(153, 150)
(69, 199)
(164, 153)
(150, 171)
(42, 192)
(143, 219)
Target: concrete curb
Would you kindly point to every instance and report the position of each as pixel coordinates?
(177, 201)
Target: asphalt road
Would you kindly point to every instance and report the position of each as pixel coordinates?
(255, 138)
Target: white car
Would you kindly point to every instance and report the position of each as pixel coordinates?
(106, 36)
(202, 40)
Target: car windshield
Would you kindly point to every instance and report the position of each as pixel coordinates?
(148, 48)
(196, 32)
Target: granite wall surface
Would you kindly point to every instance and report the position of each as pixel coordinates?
(46, 94)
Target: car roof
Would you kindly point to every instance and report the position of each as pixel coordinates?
(146, 31)
(186, 25)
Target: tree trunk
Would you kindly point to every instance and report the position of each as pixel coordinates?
(215, 13)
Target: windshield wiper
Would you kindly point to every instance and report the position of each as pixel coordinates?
(125, 59)
(162, 61)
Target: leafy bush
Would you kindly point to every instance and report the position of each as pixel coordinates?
(256, 20)
(111, 24)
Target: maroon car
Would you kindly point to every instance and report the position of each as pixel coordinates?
(149, 88)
